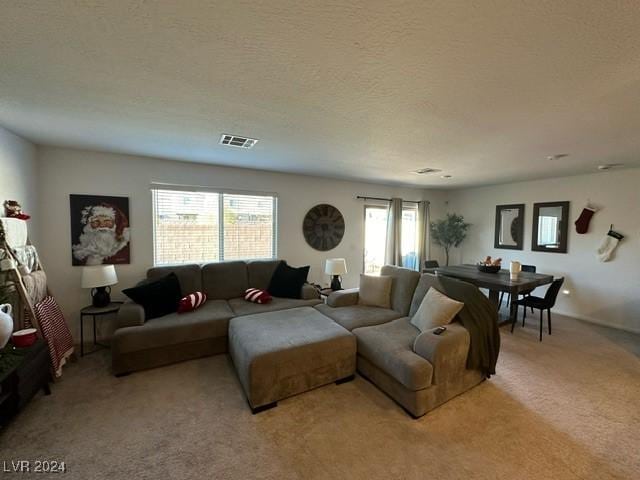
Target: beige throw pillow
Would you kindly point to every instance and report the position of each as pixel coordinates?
(435, 310)
(375, 291)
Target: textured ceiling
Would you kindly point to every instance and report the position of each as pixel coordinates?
(367, 90)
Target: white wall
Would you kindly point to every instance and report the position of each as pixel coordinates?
(67, 171)
(606, 293)
(18, 175)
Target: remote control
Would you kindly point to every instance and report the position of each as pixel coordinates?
(439, 330)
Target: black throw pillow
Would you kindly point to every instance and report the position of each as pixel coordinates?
(158, 297)
(287, 281)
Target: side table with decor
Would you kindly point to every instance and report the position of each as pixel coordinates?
(96, 312)
(23, 371)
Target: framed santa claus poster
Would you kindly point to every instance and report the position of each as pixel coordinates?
(100, 230)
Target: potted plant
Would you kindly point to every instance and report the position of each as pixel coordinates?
(449, 232)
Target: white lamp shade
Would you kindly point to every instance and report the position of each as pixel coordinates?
(335, 266)
(99, 276)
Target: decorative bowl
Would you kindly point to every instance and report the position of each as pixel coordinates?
(24, 338)
(489, 268)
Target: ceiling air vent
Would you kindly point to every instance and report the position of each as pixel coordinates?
(426, 171)
(237, 141)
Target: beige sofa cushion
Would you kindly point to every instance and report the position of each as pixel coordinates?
(355, 316)
(224, 280)
(390, 348)
(240, 306)
(435, 310)
(207, 322)
(375, 291)
(189, 276)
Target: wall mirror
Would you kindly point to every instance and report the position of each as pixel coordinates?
(550, 222)
(509, 226)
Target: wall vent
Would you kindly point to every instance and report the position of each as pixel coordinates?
(237, 141)
(426, 171)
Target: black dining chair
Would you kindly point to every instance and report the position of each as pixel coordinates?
(430, 266)
(525, 268)
(546, 303)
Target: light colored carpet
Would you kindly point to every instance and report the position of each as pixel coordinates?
(562, 409)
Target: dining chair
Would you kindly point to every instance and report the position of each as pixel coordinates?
(430, 266)
(525, 268)
(541, 303)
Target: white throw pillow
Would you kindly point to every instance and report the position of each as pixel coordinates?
(375, 291)
(435, 310)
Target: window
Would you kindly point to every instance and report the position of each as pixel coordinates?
(409, 236)
(375, 237)
(205, 226)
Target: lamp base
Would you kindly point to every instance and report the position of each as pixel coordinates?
(101, 297)
(335, 283)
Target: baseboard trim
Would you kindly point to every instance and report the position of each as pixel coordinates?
(597, 321)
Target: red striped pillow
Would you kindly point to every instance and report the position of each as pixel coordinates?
(191, 302)
(256, 295)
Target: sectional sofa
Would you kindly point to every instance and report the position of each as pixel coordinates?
(292, 345)
(138, 345)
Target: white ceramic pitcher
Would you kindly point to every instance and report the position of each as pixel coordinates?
(6, 324)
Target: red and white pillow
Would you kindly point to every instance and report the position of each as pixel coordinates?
(191, 302)
(256, 295)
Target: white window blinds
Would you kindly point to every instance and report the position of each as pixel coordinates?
(207, 226)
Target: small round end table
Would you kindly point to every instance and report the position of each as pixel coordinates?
(91, 311)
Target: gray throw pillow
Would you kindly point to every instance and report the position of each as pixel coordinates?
(435, 310)
(375, 291)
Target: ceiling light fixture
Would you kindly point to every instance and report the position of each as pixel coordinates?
(426, 170)
(237, 141)
(609, 166)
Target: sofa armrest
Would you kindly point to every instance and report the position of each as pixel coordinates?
(343, 298)
(130, 314)
(446, 352)
(309, 292)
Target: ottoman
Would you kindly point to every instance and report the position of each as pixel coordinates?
(279, 354)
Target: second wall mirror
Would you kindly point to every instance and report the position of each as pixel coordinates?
(550, 222)
(509, 231)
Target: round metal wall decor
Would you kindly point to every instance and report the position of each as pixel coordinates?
(323, 227)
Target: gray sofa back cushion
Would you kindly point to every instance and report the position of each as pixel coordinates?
(260, 272)
(404, 284)
(427, 280)
(225, 280)
(188, 275)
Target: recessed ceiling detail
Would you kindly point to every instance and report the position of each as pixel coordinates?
(237, 141)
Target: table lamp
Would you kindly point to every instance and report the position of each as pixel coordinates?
(99, 278)
(335, 267)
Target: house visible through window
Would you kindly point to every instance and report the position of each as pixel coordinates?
(204, 226)
(375, 237)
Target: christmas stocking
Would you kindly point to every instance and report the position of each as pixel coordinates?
(582, 223)
(608, 245)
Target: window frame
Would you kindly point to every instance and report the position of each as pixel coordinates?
(379, 206)
(383, 205)
(220, 192)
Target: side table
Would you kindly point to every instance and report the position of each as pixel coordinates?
(91, 311)
(23, 371)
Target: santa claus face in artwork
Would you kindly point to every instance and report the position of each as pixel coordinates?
(104, 234)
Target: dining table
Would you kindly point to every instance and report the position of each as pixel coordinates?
(497, 282)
